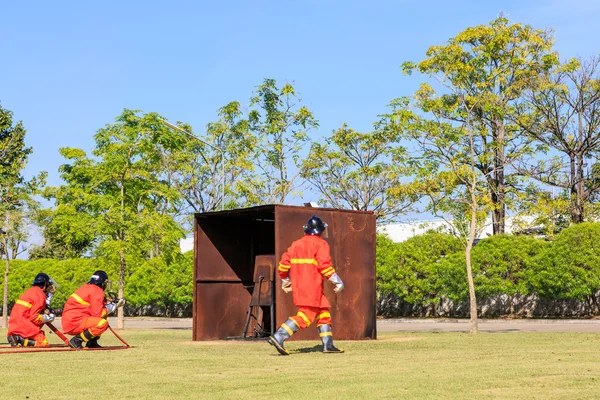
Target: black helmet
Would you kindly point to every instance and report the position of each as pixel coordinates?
(42, 280)
(99, 278)
(314, 226)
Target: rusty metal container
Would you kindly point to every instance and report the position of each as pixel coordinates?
(225, 248)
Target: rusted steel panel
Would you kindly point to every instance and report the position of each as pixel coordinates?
(222, 252)
(264, 268)
(353, 253)
(227, 243)
(351, 236)
(221, 310)
(195, 327)
(224, 255)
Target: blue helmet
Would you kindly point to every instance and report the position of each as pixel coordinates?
(42, 280)
(314, 226)
(99, 278)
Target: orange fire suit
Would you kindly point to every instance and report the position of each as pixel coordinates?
(85, 310)
(26, 316)
(306, 263)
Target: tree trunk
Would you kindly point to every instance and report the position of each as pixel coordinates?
(580, 167)
(121, 310)
(580, 190)
(576, 213)
(499, 210)
(472, 230)
(472, 297)
(5, 296)
(498, 216)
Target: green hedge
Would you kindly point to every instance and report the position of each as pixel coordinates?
(570, 267)
(69, 274)
(428, 267)
(411, 269)
(154, 282)
(420, 271)
(502, 264)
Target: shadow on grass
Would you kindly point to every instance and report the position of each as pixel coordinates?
(175, 328)
(305, 350)
(315, 349)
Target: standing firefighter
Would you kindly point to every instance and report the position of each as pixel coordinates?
(302, 269)
(29, 314)
(85, 312)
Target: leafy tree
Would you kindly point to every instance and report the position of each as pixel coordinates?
(493, 65)
(12, 238)
(216, 169)
(446, 167)
(67, 231)
(119, 190)
(360, 171)
(163, 283)
(16, 195)
(540, 207)
(564, 116)
(280, 122)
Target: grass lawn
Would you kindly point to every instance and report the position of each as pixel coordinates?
(166, 364)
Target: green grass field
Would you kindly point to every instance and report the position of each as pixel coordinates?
(166, 364)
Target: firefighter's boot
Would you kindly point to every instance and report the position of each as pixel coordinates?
(287, 329)
(76, 342)
(327, 339)
(28, 342)
(15, 340)
(93, 344)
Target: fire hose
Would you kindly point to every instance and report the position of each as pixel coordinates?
(58, 333)
(60, 347)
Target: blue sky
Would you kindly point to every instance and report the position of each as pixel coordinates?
(68, 68)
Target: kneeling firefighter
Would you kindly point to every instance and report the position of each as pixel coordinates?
(85, 312)
(30, 312)
(302, 269)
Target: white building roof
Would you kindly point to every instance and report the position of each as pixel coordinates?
(186, 244)
(404, 231)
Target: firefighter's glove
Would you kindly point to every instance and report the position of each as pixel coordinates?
(337, 281)
(111, 307)
(49, 297)
(286, 285)
(47, 318)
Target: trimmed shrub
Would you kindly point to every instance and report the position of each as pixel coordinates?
(411, 270)
(154, 283)
(501, 264)
(570, 267)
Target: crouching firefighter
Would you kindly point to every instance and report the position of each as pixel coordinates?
(302, 269)
(85, 313)
(30, 312)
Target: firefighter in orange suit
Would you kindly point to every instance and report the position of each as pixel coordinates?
(85, 312)
(302, 269)
(29, 314)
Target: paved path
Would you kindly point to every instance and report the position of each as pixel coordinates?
(409, 325)
(146, 323)
(488, 325)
